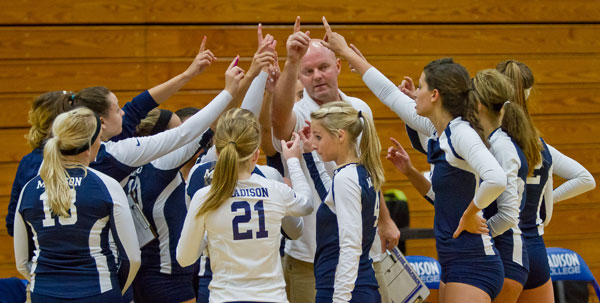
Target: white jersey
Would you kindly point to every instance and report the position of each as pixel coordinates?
(304, 248)
(243, 236)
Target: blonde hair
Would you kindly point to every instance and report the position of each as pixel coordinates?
(44, 110)
(338, 115)
(236, 138)
(147, 124)
(70, 130)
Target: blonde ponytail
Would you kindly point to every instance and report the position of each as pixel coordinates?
(236, 138)
(494, 90)
(72, 131)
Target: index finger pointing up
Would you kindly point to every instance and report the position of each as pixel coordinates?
(297, 24)
(326, 25)
(203, 44)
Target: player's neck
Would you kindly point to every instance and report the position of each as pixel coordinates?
(347, 157)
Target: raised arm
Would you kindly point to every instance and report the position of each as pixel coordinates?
(138, 108)
(178, 158)
(165, 90)
(264, 118)
(282, 116)
(138, 151)
(380, 85)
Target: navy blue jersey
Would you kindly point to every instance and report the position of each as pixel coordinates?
(73, 256)
(538, 189)
(159, 189)
(346, 227)
(454, 186)
(161, 194)
(29, 167)
(135, 110)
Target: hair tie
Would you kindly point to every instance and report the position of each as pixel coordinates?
(233, 142)
(360, 114)
(505, 103)
(86, 146)
(162, 122)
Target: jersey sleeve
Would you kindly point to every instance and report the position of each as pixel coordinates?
(134, 111)
(509, 201)
(298, 201)
(493, 179)
(123, 231)
(179, 157)
(397, 101)
(292, 227)
(318, 173)
(579, 179)
(21, 178)
(254, 96)
(21, 243)
(190, 245)
(135, 152)
(347, 200)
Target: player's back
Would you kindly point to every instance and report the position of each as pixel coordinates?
(72, 256)
(243, 241)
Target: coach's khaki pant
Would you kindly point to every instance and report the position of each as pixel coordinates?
(299, 280)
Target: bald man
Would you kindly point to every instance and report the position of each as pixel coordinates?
(317, 68)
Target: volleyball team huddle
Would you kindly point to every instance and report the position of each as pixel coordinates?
(219, 218)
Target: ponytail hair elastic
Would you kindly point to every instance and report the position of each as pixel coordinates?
(86, 146)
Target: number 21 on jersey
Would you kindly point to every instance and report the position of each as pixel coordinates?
(246, 217)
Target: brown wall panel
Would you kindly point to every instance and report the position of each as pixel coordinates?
(136, 74)
(253, 11)
(546, 100)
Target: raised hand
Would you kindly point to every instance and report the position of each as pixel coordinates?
(233, 76)
(357, 51)
(291, 149)
(333, 40)
(203, 59)
(399, 157)
(297, 43)
(407, 86)
(263, 57)
(305, 137)
(274, 74)
(271, 46)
